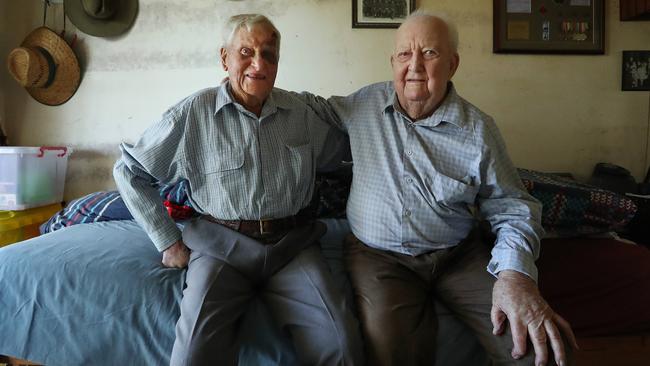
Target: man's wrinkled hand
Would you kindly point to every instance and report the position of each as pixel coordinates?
(516, 299)
(176, 256)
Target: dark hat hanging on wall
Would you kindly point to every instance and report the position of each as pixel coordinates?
(102, 18)
(45, 66)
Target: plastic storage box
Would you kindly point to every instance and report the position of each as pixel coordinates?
(22, 225)
(31, 176)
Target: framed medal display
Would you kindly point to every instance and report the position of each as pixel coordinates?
(549, 26)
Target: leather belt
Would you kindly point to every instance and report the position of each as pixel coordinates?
(264, 228)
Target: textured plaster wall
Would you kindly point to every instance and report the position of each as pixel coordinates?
(557, 113)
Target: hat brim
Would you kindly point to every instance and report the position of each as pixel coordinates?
(122, 20)
(67, 75)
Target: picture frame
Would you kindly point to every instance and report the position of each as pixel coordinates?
(380, 13)
(549, 27)
(635, 71)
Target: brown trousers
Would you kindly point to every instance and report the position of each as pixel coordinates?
(394, 295)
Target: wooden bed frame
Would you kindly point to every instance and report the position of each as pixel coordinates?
(628, 350)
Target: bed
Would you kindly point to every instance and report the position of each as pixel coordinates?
(96, 293)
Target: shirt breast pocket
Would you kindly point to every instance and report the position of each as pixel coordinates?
(223, 163)
(447, 190)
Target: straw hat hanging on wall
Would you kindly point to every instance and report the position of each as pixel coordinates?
(46, 67)
(102, 18)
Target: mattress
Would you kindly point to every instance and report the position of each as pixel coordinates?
(97, 294)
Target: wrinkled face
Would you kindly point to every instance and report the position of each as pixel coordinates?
(423, 62)
(251, 61)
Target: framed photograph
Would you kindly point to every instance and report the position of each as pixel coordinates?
(549, 26)
(380, 13)
(636, 70)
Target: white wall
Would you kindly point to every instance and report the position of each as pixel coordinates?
(557, 113)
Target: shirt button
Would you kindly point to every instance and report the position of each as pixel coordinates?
(409, 180)
(409, 153)
(407, 213)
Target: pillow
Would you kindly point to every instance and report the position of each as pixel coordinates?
(571, 208)
(109, 206)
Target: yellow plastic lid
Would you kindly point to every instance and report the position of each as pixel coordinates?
(11, 220)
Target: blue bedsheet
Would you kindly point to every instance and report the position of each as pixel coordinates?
(96, 294)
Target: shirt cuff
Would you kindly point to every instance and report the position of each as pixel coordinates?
(165, 237)
(515, 260)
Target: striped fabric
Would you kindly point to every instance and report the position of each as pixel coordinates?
(97, 206)
(109, 206)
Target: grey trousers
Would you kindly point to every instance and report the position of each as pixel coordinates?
(227, 269)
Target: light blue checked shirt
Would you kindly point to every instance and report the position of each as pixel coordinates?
(238, 166)
(416, 185)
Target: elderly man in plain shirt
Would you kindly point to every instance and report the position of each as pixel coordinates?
(249, 152)
(424, 159)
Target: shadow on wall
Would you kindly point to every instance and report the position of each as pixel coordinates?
(19, 20)
(90, 170)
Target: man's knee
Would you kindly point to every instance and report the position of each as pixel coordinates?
(337, 349)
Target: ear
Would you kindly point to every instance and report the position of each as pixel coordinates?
(391, 60)
(455, 61)
(223, 53)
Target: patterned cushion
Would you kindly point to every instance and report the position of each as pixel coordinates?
(109, 206)
(572, 208)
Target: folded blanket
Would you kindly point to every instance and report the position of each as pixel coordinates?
(571, 208)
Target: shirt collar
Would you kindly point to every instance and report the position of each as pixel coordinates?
(223, 97)
(271, 105)
(450, 110)
(391, 102)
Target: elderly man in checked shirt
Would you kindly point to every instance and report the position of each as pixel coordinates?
(249, 152)
(424, 160)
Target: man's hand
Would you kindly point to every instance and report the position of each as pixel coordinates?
(176, 256)
(515, 298)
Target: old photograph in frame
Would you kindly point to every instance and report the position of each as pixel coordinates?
(380, 13)
(549, 26)
(636, 70)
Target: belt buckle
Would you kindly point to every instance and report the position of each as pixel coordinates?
(262, 231)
